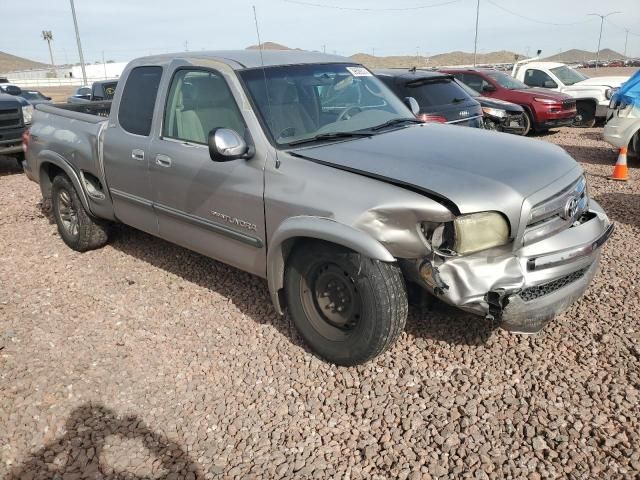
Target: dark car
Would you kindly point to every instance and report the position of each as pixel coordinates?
(34, 97)
(99, 92)
(440, 98)
(15, 116)
(500, 115)
(546, 109)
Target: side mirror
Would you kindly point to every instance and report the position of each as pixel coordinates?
(413, 105)
(226, 144)
(488, 88)
(549, 84)
(47, 98)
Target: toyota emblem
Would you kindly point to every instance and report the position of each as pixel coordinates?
(571, 208)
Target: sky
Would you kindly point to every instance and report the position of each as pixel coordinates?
(126, 29)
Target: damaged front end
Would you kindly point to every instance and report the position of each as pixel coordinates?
(520, 288)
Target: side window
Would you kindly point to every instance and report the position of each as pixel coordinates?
(474, 81)
(138, 99)
(536, 78)
(198, 102)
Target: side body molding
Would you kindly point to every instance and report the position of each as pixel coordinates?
(320, 228)
(47, 156)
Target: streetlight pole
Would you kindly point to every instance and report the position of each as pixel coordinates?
(602, 17)
(626, 37)
(47, 35)
(75, 24)
(475, 43)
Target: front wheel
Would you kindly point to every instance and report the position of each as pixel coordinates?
(585, 115)
(78, 229)
(347, 307)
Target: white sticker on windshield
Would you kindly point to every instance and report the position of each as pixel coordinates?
(359, 72)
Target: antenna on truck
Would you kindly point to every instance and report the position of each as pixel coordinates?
(264, 76)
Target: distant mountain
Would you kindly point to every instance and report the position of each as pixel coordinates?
(442, 59)
(9, 63)
(575, 55)
(270, 46)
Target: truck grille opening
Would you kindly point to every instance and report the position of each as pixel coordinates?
(533, 293)
(11, 122)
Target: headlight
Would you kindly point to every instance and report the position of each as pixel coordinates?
(479, 231)
(27, 114)
(547, 101)
(609, 92)
(494, 112)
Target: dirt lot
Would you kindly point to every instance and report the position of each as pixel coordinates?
(145, 360)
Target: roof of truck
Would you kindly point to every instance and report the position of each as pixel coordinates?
(241, 59)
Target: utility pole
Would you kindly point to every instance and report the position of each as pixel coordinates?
(75, 24)
(324, 48)
(475, 43)
(602, 17)
(186, 45)
(104, 65)
(626, 37)
(48, 37)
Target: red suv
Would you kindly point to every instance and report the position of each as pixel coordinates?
(544, 109)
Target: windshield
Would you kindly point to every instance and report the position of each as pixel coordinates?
(31, 95)
(506, 81)
(305, 101)
(567, 75)
(436, 92)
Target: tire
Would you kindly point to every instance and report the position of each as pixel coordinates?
(78, 229)
(585, 115)
(321, 279)
(527, 124)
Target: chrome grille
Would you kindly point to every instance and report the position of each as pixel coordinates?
(10, 118)
(557, 213)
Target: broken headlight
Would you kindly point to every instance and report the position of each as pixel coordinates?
(479, 231)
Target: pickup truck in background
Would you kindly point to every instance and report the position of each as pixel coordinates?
(244, 158)
(15, 117)
(592, 94)
(100, 91)
(544, 109)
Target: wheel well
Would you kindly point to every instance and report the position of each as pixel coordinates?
(634, 144)
(590, 101)
(48, 171)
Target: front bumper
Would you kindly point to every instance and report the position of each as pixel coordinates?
(12, 145)
(556, 122)
(524, 289)
(618, 131)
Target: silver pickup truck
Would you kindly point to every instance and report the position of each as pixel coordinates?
(304, 169)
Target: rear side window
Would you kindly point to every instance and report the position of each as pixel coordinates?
(138, 100)
(436, 93)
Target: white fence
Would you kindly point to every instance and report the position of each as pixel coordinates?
(66, 76)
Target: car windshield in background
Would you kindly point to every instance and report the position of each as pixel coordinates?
(507, 81)
(32, 95)
(436, 92)
(567, 75)
(109, 90)
(321, 101)
(468, 89)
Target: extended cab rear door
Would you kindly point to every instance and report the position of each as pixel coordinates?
(215, 208)
(126, 149)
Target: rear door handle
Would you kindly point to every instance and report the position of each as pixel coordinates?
(137, 154)
(163, 160)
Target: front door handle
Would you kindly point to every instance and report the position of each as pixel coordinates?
(163, 160)
(137, 154)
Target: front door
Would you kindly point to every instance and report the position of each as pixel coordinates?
(126, 149)
(215, 208)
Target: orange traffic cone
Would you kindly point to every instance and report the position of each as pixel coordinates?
(620, 171)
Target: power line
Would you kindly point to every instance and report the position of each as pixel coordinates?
(362, 9)
(631, 32)
(534, 19)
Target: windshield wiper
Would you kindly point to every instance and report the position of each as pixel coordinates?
(458, 100)
(330, 136)
(395, 121)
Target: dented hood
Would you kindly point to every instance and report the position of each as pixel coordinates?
(476, 170)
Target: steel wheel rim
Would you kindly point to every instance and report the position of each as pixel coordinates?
(67, 213)
(331, 300)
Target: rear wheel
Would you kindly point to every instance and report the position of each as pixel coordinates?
(78, 229)
(348, 308)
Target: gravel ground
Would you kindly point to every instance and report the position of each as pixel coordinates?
(145, 360)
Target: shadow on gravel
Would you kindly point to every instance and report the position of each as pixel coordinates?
(9, 166)
(439, 321)
(621, 207)
(83, 450)
(592, 155)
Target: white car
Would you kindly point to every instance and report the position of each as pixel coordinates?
(623, 120)
(592, 94)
